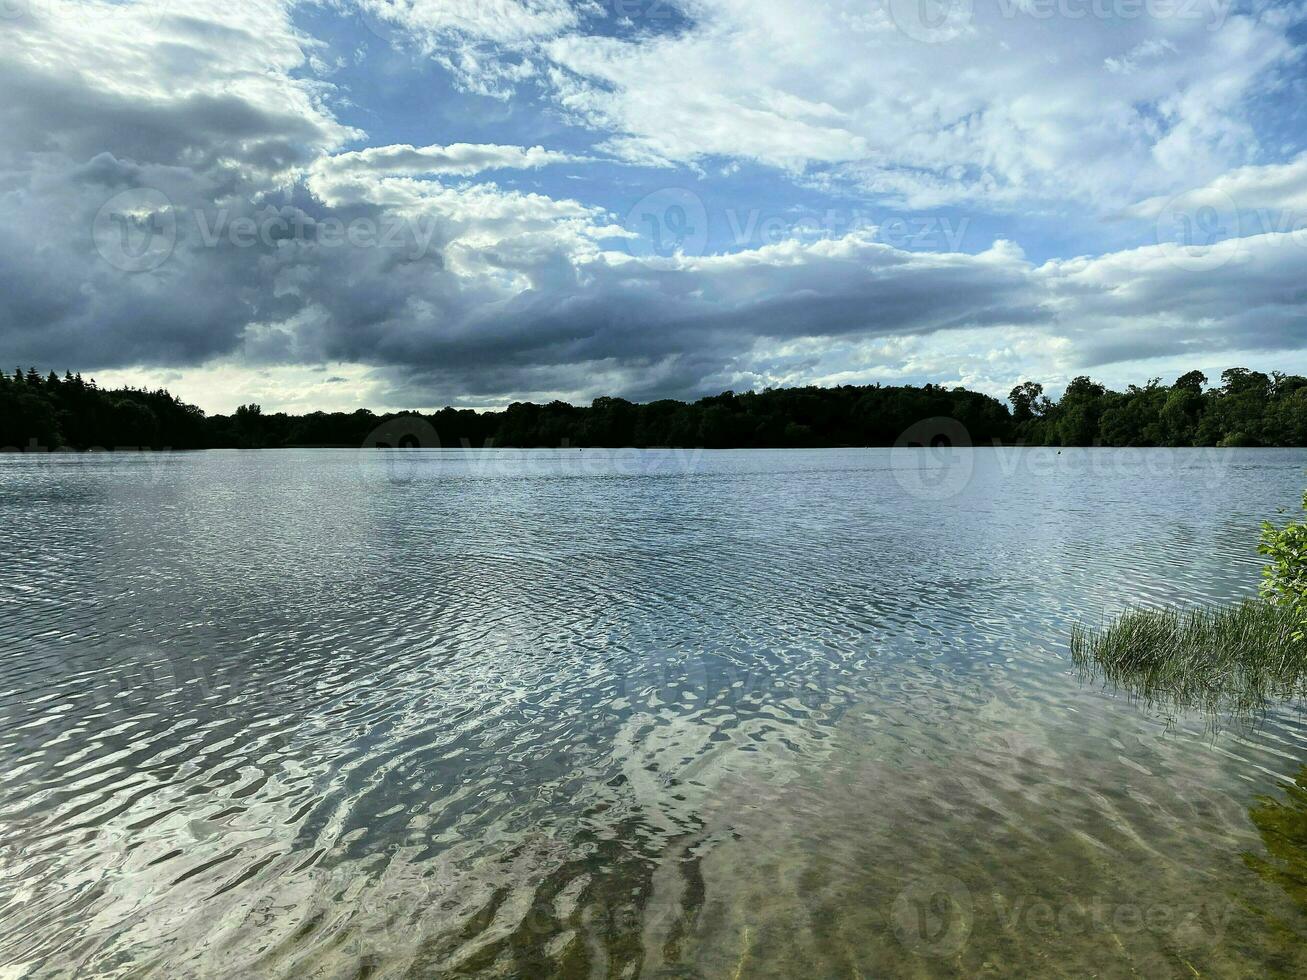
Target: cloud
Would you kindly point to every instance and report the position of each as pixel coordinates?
(202, 110)
(503, 21)
(486, 45)
(214, 90)
(281, 249)
(464, 159)
(1149, 50)
(1152, 301)
(1279, 187)
(797, 313)
(1040, 102)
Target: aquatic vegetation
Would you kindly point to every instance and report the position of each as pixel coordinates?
(1237, 657)
(1282, 823)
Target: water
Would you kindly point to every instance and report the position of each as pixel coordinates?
(732, 714)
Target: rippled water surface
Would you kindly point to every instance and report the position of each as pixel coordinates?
(733, 714)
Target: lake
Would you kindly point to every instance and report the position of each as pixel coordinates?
(334, 713)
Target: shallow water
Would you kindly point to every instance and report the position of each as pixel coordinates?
(720, 714)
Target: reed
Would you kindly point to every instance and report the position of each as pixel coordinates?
(1237, 657)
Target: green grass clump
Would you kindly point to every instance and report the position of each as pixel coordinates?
(1237, 657)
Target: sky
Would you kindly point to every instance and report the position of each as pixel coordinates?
(405, 204)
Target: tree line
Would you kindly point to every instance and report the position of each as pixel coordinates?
(1247, 408)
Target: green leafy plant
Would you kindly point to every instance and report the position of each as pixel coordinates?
(1284, 580)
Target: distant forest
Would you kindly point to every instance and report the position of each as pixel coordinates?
(1247, 408)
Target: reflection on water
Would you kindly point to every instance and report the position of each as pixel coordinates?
(611, 714)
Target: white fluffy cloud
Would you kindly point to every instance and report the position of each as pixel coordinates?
(1271, 187)
(462, 159)
(503, 21)
(1019, 103)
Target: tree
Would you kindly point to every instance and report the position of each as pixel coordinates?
(1079, 412)
(1025, 399)
(1134, 418)
(1241, 381)
(1178, 418)
(1249, 408)
(249, 427)
(1236, 412)
(27, 420)
(610, 422)
(135, 425)
(1285, 422)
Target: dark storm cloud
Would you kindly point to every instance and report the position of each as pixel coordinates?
(1249, 296)
(665, 330)
(71, 109)
(45, 114)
